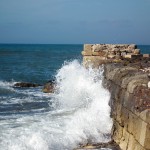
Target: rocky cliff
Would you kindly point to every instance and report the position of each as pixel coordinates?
(127, 76)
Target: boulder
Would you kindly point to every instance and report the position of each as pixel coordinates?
(49, 87)
(25, 85)
(136, 51)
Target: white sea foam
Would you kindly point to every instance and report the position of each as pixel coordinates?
(7, 85)
(81, 115)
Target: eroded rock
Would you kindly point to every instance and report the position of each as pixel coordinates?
(49, 87)
(26, 85)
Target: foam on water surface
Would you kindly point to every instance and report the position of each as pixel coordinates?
(79, 113)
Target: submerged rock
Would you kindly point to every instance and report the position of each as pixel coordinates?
(26, 84)
(49, 87)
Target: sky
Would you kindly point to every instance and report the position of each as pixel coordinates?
(75, 21)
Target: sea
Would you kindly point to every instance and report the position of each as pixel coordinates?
(76, 113)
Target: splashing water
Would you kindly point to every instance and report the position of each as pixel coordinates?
(80, 114)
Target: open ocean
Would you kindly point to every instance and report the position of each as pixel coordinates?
(77, 112)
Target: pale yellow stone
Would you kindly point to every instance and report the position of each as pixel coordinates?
(87, 47)
(136, 51)
(139, 147)
(118, 133)
(145, 115)
(93, 61)
(145, 135)
(124, 140)
(128, 56)
(148, 84)
(131, 143)
(111, 56)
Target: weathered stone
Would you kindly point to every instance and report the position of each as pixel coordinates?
(99, 53)
(119, 116)
(130, 96)
(118, 56)
(145, 115)
(147, 140)
(121, 46)
(132, 46)
(136, 51)
(111, 56)
(124, 50)
(148, 84)
(87, 50)
(146, 55)
(128, 56)
(134, 83)
(87, 47)
(133, 56)
(117, 132)
(132, 143)
(26, 84)
(94, 61)
(125, 117)
(123, 54)
(141, 99)
(119, 72)
(98, 47)
(144, 138)
(86, 53)
(139, 147)
(133, 75)
(48, 87)
(116, 49)
(134, 124)
(124, 140)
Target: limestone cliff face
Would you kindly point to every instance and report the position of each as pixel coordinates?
(130, 103)
(127, 76)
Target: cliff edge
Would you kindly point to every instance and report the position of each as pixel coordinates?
(127, 76)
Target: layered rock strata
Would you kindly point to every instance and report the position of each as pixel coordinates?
(127, 76)
(98, 54)
(130, 103)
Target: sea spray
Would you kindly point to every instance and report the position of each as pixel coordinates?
(81, 89)
(80, 114)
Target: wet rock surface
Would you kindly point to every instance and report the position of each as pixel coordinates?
(130, 103)
(25, 85)
(49, 87)
(127, 77)
(99, 146)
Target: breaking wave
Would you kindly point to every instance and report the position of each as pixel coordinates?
(79, 113)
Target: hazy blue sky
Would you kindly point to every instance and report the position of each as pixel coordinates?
(75, 21)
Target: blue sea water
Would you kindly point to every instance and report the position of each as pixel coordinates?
(38, 62)
(77, 112)
(34, 63)
(145, 49)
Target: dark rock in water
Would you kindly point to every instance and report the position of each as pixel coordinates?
(49, 87)
(99, 146)
(26, 85)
